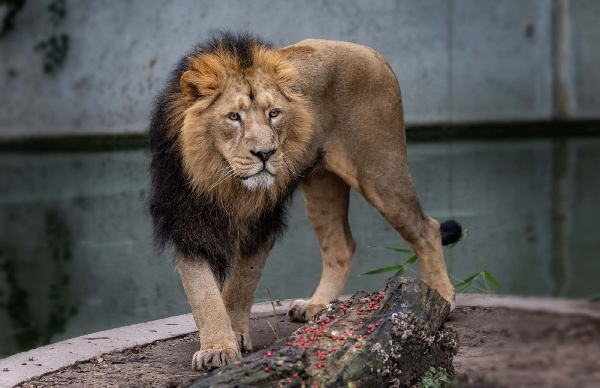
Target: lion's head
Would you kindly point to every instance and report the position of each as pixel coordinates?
(243, 130)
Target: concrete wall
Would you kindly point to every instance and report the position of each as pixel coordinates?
(457, 60)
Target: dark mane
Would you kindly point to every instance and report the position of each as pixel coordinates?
(193, 223)
(239, 44)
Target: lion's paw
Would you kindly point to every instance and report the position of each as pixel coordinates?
(452, 301)
(208, 359)
(449, 294)
(303, 310)
(244, 341)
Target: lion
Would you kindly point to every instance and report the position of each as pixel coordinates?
(239, 126)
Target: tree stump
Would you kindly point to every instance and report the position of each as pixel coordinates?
(383, 339)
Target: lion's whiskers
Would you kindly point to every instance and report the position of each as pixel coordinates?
(291, 169)
(228, 174)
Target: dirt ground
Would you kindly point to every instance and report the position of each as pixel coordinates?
(499, 347)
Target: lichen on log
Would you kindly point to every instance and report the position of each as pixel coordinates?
(381, 339)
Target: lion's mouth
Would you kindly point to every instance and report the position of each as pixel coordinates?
(261, 180)
(264, 169)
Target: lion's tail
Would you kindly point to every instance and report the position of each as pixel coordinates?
(451, 232)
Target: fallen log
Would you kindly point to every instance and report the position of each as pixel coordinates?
(383, 339)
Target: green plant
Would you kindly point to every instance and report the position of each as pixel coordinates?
(400, 269)
(465, 284)
(478, 281)
(434, 379)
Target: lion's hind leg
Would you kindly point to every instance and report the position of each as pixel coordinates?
(388, 187)
(327, 199)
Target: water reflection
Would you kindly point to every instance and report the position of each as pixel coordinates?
(60, 306)
(76, 253)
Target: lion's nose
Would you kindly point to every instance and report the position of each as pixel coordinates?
(264, 155)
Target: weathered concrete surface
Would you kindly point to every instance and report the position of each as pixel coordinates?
(457, 60)
(549, 305)
(61, 354)
(583, 58)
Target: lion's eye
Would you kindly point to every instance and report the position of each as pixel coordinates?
(274, 113)
(233, 116)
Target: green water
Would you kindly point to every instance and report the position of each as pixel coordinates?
(76, 254)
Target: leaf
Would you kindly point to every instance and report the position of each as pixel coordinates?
(382, 270)
(488, 276)
(465, 287)
(400, 272)
(468, 280)
(411, 260)
(399, 250)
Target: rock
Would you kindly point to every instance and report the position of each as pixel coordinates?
(383, 339)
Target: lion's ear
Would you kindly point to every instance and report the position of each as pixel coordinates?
(205, 79)
(190, 84)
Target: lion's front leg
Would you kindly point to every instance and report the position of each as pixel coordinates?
(327, 200)
(238, 294)
(218, 342)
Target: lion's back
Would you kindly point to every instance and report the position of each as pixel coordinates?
(347, 83)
